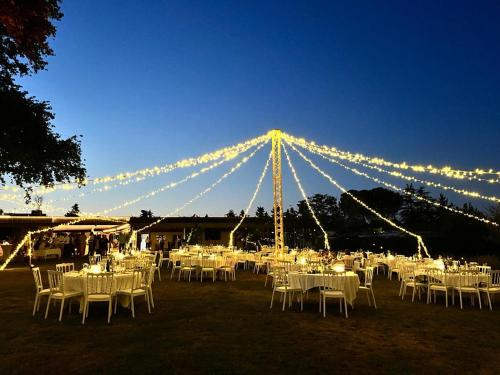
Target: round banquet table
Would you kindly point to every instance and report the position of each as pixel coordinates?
(306, 281)
(453, 278)
(76, 281)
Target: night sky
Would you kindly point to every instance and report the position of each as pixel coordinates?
(151, 82)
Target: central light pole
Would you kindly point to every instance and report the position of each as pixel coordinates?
(279, 231)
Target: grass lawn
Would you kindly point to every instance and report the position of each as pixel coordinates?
(228, 328)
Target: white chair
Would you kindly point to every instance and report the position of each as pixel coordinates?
(159, 264)
(468, 283)
(137, 288)
(409, 280)
(99, 289)
(332, 286)
(65, 267)
(368, 285)
(148, 284)
(492, 286)
(186, 267)
(258, 263)
(176, 265)
(437, 281)
(40, 291)
(281, 285)
(228, 268)
(58, 292)
(208, 265)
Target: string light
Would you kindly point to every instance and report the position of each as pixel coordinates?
(444, 171)
(420, 242)
(304, 195)
(172, 184)
(201, 194)
(416, 196)
(28, 235)
(153, 171)
(249, 206)
(468, 193)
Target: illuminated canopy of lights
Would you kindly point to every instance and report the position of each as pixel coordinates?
(406, 192)
(477, 174)
(252, 199)
(173, 184)
(153, 171)
(201, 194)
(420, 242)
(304, 196)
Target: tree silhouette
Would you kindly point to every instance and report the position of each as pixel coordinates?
(230, 214)
(75, 211)
(146, 214)
(30, 151)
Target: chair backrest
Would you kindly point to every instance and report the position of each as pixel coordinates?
(38, 278)
(468, 279)
(208, 262)
(494, 279)
(436, 276)
(279, 276)
(368, 276)
(186, 261)
(65, 267)
(484, 269)
(99, 283)
(56, 281)
(333, 280)
(286, 264)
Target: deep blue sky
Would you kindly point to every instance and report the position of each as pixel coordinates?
(151, 82)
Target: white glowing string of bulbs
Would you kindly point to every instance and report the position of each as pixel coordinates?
(172, 184)
(406, 192)
(467, 193)
(250, 203)
(304, 195)
(201, 194)
(444, 171)
(185, 163)
(30, 233)
(420, 242)
(228, 156)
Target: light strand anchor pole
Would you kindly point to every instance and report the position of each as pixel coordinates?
(279, 230)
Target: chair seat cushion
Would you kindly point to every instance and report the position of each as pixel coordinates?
(98, 297)
(492, 289)
(287, 288)
(438, 287)
(332, 293)
(129, 292)
(61, 295)
(44, 292)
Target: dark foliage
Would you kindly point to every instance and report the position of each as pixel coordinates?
(30, 151)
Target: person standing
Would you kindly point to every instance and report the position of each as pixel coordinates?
(104, 245)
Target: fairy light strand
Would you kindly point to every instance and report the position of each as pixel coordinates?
(304, 195)
(446, 171)
(42, 230)
(250, 203)
(464, 192)
(201, 194)
(403, 191)
(185, 163)
(171, 184)
(420, 242)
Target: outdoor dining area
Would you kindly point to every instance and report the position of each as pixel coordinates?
(116, 280)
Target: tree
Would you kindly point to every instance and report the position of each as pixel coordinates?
(74, 212)
(242, 213)
(230, 214)
(261, 212)
(146, 214)
(30, 151)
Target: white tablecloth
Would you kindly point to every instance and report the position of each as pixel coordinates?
(77, 282)
(306, 281)
(453, 279)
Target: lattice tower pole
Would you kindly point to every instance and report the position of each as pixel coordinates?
(279, 231)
